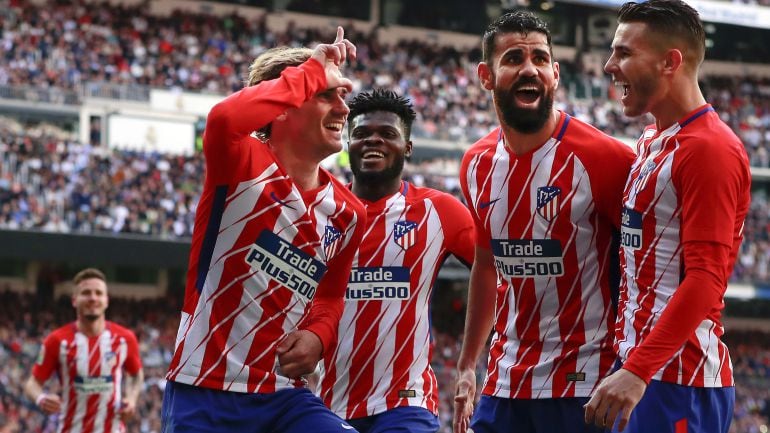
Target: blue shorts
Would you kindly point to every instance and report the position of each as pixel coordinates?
(548, 415)
(404, 419)
(189, 408)
(670, 408)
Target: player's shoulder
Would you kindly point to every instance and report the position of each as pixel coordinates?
(64, 332)
(434, 195)
(484, 143)
(709, 134)
(120, 330)
(343, 194)
(591, 144)
(583, 133)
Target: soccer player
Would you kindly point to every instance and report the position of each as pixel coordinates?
(378, 375)
(89, 357)
(544, 189)
(274, 240)
(684, 205)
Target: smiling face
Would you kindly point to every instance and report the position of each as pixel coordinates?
(90, 299)
(522, 78)
(315, 127)
(378, 147)
(635, 66)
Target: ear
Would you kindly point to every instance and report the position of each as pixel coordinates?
(408, 150)
(672, 61)
(485, 76)
(556, 75)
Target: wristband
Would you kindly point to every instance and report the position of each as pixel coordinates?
(40, 398)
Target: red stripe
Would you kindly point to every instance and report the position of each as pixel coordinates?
(681, 426)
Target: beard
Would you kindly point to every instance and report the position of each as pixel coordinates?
(374, 177)
(524, 120)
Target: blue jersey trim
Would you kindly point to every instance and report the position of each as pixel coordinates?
(696, 115)
(563, 127)
(210, 239)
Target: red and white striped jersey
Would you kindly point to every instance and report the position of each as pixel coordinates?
(549, 216)
(261, 248)
(90, 371)
(382, 357)
(668, 202)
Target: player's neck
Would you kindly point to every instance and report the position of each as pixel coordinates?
(302, 171)
(373, 191)
(682, 99)
(91, 328)
(520, 143)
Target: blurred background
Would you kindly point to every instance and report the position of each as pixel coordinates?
(102, 107)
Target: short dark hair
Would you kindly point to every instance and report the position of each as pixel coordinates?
(383, 100)
(87, 274)
(513, 22)
(670, 19)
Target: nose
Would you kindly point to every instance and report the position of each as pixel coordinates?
(611, 65)
(340, 107)
(528, 68)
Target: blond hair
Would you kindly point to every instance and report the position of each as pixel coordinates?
(270, 64)
(87, 274)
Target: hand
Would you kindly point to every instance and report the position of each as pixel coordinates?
(331, 56)
(465, 395)
(127, 410)
(618, 393)
(299, 353)
(49, 403)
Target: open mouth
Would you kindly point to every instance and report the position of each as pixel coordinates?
(334, 126)
(527, 94)
(372, 155)
(623, 87)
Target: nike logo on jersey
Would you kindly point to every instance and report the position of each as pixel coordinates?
(281, 202)
(486, 204)
(347, 427)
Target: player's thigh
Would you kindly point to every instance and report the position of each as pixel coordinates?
(671, 408)
(303, 412)
(189, 408)
(553, 415)
(565, 415)
(498, 415)
(405, 419)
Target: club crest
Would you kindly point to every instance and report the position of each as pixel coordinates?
(332, 239)
(404, 233)
(548, 201)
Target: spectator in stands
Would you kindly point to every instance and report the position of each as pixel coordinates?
(97, 352)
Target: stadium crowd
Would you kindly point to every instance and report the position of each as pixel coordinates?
(21, 332)
(51, 182)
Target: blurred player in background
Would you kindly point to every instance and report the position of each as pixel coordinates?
(378, 376)
(89, 356)
(274, 240)
(544, 190)
(684, 206)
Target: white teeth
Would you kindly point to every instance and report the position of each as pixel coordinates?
(334, 126)
(622, 86)
(373, 153)
(535, 89)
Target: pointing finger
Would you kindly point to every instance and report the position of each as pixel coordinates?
(340, 35)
